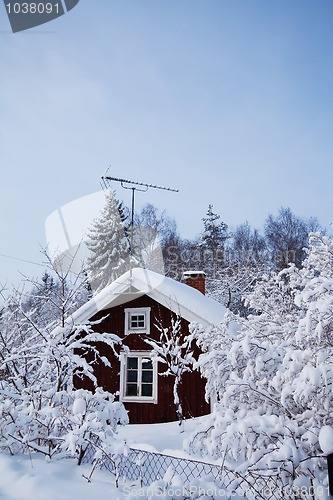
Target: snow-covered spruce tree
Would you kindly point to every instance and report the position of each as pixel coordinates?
(175, 351)
(213, 239)
(215, 233)
(273, 380)
(108, 245)
(39, 408)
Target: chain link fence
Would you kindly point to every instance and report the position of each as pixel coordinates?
(145, 467)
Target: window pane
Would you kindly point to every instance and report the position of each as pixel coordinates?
(147, 376)
(132, 363)
(131, 390)
(137, 321)
(147, 364)
(132, 376)
(147, 390)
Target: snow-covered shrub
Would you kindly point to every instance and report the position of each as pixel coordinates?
(61, 423)
(39, 407)
(90, 419)
(273, 380)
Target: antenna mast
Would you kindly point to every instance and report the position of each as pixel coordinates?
(134, 186)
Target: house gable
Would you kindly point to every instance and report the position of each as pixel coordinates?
(156, 406)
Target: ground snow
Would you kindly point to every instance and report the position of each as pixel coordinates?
(166, 438)
(23, 477)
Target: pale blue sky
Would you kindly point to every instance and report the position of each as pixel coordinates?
(229, 101)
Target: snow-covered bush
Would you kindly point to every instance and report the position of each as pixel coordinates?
(61, 423)
(272, 382)
(39, 407)
(90, 419)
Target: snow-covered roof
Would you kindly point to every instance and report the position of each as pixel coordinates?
(194, 273)
(180, 298)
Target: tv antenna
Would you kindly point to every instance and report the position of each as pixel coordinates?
(134, 186)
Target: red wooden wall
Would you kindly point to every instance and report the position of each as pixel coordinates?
(192, 388)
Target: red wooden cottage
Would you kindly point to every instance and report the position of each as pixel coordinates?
(131, 307)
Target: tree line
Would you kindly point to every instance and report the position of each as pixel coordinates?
(233, 259)
(217, 247)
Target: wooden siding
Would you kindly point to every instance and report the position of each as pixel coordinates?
(192, 387)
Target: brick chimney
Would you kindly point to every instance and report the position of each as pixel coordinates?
(195, 279)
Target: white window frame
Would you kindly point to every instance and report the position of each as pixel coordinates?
(137, 311)
(123, 377)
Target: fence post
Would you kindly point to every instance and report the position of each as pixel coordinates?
(330, 472)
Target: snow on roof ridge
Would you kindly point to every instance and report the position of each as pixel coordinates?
(193, 272)
(187, 298)
(177, 296)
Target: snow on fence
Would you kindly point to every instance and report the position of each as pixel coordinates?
(146, 467)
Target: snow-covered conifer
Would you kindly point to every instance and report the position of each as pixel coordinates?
(108, 245)
(213, 240)
(215, 232)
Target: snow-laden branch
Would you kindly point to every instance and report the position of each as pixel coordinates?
(272, 382)
(175, 351)
(41, 352)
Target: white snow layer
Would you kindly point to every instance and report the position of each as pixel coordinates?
(25, 477)
(326, 439)
(182, 299)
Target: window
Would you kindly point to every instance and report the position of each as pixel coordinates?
(138, 377)
(137, 320)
